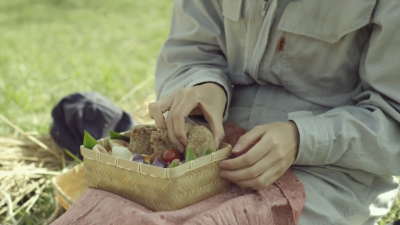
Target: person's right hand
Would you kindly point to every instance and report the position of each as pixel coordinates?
(207, 99)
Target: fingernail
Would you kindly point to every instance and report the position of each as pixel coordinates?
(237, 148)
(222, 174)
(222, 165)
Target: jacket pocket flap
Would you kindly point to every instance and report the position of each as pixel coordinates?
(326, 20)
(232, 9)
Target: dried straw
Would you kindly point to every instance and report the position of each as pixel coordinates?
(26, 161)
(29, 160)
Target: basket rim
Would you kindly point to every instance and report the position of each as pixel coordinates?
(154, 171)
(57, 188)
(175, 172)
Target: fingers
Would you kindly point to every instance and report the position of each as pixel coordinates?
(156, 110)
(178, 116)
(247, 173)
(250, 171)
(248, 139)
(214, 119)
(217, 128)
(258, 151)
(171, 129)
(200, 100)
(157, 114)
(269, 162)
(262, 181)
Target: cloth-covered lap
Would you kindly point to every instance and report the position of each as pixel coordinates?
(279, 204)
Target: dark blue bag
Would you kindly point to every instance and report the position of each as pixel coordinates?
(88, 111)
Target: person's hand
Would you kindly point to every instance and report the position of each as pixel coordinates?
(267, 151)
(233, 133)
(207, 99)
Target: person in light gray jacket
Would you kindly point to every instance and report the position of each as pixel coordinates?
(316, 83)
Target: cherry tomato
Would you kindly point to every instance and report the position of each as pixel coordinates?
(169, 155)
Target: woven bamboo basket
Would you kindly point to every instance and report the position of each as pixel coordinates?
(156, 188)
(69, 186)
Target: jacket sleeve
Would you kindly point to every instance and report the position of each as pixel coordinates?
(194, 51)
(365, 136)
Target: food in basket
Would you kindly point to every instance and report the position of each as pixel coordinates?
(116, 142)
(196, 179)
(89, 141)
(160, 141)
(140, 139)
(117, 136)
(158, 163)
(190, 155)
(121, 152)
(146, 158)
(138, 158)
(99, 148)
(170, 155)
(200, 139)
(155, 155)
(174, 163)
(148, 145)
(208, 151)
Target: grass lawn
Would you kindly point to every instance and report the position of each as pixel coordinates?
(51, 48)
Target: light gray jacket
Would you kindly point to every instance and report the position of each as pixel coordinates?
(333, 67)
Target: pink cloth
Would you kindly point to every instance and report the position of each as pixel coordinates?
(279, 204)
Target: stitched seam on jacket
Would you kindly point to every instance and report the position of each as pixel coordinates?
(332, 37)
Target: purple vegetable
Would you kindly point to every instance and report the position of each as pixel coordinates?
(138, 158)
(159, 163)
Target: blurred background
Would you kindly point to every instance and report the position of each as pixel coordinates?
(50, 49)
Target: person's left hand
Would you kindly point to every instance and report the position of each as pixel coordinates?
(267, 151)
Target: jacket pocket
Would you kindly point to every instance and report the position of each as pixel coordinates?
(324, 40)
(326, 20)
(233, 12)
(232, 9)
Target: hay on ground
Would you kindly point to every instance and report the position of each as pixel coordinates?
(29, 160)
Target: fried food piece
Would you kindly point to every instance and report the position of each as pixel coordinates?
(140, 139)
(200, 139)
(160, 141)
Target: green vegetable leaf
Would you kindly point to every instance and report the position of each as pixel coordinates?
(88, 141)
(174, 163)
(207, 152)
(115, 135)
(190, 155)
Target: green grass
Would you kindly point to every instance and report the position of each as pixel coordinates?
(51, 48)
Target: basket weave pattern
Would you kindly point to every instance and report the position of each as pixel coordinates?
(156, 188)
(156, 193)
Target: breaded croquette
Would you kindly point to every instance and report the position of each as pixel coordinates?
(140, 139)
(200, 139)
